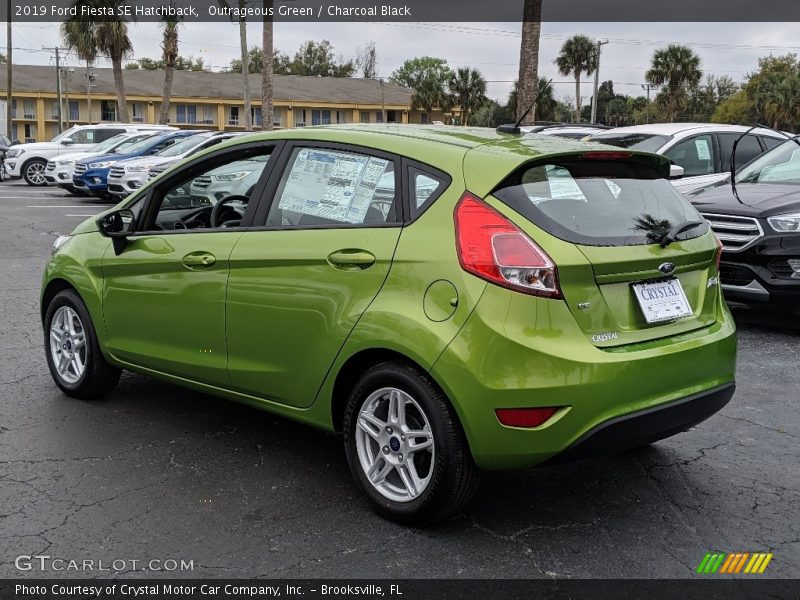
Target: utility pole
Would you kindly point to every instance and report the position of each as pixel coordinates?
(600, 45)
(60, 100)
(383, 105)
(647, 107)
(90, 77)
(9, 99)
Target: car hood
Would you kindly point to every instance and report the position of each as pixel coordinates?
(91, 158)
(757, 199)
(146, 160)
(76, 156)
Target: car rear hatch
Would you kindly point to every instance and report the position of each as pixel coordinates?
(602, 217)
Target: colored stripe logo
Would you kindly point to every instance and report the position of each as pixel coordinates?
(734, 562)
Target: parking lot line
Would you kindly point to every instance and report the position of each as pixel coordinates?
(91, 215)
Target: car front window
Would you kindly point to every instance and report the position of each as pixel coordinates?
(779, 165)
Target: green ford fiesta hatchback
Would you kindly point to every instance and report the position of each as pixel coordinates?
(449, 299)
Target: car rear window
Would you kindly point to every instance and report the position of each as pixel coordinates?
(599, 202)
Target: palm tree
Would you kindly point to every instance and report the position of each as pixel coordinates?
(79, 36)
(169, 47)
(267, 41)
(248, 122)
(676, 67)
(578, 55)
(545, 99)
(430, 93)
(468, 91)
(529, 58)
(113, 41)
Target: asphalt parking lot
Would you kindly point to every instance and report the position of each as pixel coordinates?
(157, 472)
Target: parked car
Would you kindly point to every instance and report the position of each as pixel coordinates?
(758, 223)
(133, 174)
(91, 174)
(30, 160)
(574, 131)
(509, 301)
(59, 170)
(703, 150)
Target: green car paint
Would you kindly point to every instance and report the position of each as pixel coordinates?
(285, 326)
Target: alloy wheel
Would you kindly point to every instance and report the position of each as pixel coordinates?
(395, 444)
(35, 173)
(68, 344)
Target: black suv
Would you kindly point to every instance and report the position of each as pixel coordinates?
(758, 222)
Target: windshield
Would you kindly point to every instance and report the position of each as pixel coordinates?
(646, 142)
(183, 146)
(600, 202)
(138, 147)
(64, 134)
(779, 165)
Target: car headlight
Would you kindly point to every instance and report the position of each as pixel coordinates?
(101, 165)
(65, 163)
(60, 242)
(232, 176)
(138, 168)
(14, 152)
(790, 222)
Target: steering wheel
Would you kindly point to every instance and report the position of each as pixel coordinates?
(217, 213)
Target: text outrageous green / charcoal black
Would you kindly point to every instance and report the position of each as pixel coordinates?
(450, 299)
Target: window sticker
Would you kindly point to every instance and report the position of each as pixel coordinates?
(703, 151)
(332, 185)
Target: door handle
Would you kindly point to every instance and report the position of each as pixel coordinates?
(351, 259)
(199, 259)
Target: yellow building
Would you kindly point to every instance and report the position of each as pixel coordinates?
(200, 100)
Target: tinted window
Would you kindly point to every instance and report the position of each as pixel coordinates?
(599, 203)
(333, 187)
(695, 155)
(646, 142)
(746, 150)
(101, 135)
(425, 188)
(771, 142)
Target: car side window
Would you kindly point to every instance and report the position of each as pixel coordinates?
(212, 195)
(425, 188)
(695, 155)
(84, 136)
(321, 186)
(771, 142)
(747, 149)
(101, 135)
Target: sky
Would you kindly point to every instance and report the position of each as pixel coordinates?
(493, 48)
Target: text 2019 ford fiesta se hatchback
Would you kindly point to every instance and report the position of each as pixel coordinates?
(451, 299)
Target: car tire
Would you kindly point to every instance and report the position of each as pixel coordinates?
(74, 358)
(33, 172)
(426, 484)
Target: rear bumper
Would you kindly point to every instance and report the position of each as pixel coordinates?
(646, 426)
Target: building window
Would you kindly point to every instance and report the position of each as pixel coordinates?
(233, 115)
(365, 116)
(300, 120)
(391, 116)
(186, 113)
(255, 115)
(423, 118)
(138, 112)
(14, 108)
(320, 117)
(54, 110)
(74, 110)
(14, 132)
(208, 114)
(29, 133)
(379, 116)
(108, 110)
(28, 109)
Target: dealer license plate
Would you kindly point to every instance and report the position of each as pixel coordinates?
(662, 300)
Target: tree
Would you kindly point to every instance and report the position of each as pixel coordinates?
(772, 90)
(182, 63)
(113, 41)
(248, 121)
(676, 68)
(427, 77)
(703, 99)
(578, 55)
(367, 61)
(255, 58)
(2, 58)
(736, 109)
(267, 61)
(317, 59)
(80, 36)
(169, 48)
(529, 58)
(468, 91)
(545, 100)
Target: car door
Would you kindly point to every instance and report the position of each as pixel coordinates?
(698, 157)
(164, 292)
(298, 284)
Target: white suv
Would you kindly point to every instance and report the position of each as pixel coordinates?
(703, 150)
(30, 160)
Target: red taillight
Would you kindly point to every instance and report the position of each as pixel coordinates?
(493, 248)
(606, 155)
(719, 251)
(525, 417)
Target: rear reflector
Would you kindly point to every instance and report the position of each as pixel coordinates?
(525, 417)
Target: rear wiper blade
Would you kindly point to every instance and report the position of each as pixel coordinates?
(673, 234)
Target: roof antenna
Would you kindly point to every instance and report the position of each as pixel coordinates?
(736, 145)
(508, 128)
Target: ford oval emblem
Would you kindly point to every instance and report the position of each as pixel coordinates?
(666, 268)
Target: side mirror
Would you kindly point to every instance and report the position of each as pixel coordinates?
(676, 171)
(117, 225)
(67, 141)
